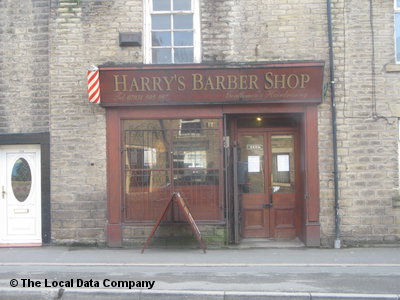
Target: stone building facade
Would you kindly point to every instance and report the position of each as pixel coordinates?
(46, 47)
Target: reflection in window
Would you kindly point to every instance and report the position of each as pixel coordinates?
(251, 161)
(165, 156)
(190, 127)
(21, 179)
(283, 171)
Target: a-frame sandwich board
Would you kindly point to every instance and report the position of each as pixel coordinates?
(188, 215)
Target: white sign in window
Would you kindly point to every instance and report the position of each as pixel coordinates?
(253, 164)
(283, 163)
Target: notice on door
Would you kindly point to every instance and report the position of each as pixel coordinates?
(253, 164)
(283, 163)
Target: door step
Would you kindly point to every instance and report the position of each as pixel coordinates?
(269, 243)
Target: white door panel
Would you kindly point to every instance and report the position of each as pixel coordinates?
(20, 206)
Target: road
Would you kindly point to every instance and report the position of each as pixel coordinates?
(358, 270)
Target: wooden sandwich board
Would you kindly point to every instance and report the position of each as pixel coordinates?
(184, 208)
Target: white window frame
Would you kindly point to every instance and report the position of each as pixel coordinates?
(396, 30)
(147, 43)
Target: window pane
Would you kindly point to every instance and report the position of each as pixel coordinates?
(146, 192)
(21, 180)
(162, 56)
(398, 4)
(161, 22)
(184, 55)
(165, 156)
(250, 165)
(184, 4)
(159, 5)
(145, 149)
(283, 176)
(183, 21)
(196, 177)
(183, 38)
(161, 38)
(198, 148)
(397, 21)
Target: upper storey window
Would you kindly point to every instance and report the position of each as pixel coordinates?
(397, 28)
(172, 31)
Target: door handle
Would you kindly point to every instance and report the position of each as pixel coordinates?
(3, 192)
(271, 202)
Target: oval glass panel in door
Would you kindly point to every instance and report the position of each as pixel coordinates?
(21, 179)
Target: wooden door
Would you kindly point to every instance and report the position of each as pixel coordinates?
(267, 183)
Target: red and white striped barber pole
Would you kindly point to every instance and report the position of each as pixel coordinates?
(93, 84)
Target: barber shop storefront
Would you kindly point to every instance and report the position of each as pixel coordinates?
(237, 141)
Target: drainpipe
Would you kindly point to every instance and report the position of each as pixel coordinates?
(337, 244)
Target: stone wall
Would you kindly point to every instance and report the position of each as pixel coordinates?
(240, 31)
(47, 46)
(86, 32)
(176, 235)
(24, 66)
(367, 126)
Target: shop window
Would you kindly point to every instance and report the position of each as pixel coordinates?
(172, 31)
(160, 160)
(397, 28)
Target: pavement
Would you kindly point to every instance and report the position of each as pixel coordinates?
(52, 272)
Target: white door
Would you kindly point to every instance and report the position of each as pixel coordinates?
(20, 198)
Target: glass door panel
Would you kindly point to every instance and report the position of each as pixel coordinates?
(282, 171)
(251, 164)
(251, 184)
(283, 214)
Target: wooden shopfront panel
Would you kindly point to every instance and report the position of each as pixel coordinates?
(141, 174)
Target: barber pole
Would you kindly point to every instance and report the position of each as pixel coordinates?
(93, 85)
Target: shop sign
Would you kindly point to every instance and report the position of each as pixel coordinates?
(212, 84)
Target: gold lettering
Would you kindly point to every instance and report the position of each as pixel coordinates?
(253, 82)
(243, 82)
(305, 78)
(232, 82)
(269, 82)
(220, 82)
(134, 85)
(181, 83)
(168, 81)
(156, 84)
(117, 83)
(282, 81)
(209, 84)
(296, 81)
(145, 84)
(197, 82)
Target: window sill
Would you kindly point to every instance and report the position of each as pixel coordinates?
(391, 67)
